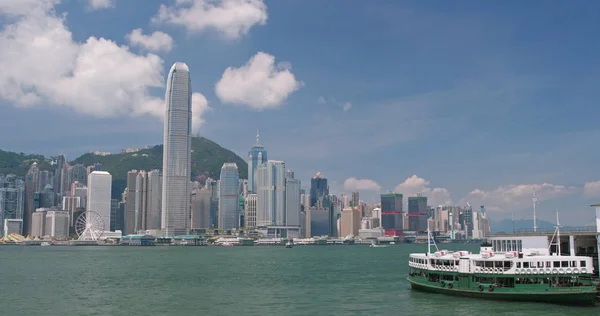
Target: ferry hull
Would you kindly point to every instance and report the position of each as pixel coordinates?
(587, 298)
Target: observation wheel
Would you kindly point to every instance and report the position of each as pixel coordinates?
(89, 226)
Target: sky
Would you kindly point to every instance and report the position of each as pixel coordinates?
(461, 101)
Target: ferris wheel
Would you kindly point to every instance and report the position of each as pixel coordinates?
(89, 226)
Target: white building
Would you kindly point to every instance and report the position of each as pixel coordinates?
(57, 224)
(250, 210)
(98, 195)
(270, 187)
(177, 146)
(38, 222)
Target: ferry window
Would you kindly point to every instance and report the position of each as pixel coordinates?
(518, 265)
(557, 264)
(525, 264)
(582, 263)
(504, 246)
(565, 264)
(573, 264)
(548, 264)
(540, 264)
(519, 245)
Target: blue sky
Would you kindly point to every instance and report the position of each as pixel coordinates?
(461, 101)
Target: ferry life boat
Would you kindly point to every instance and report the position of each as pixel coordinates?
(534, 275)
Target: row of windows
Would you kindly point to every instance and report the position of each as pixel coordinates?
(552, 264)
(507, 245)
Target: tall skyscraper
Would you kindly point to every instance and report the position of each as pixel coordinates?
(153, 204)
(130, 215)
(417, 213)
(257, 155)
(250, 211)
(355, 199)
(176, 152)
(318, 188)
(270, 182)
(292, 200)
(77, 173)
(229, 214)
(32, 183)
(98, 198)
(12, 202)
(391, 213)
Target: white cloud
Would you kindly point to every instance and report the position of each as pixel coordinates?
(101, 4)
(347, 106)
(415, 185)
(516, 197)
(18, 7)
(591, 189)
(156, 42)
(232, 18)
(354, 184)
(199, 106)
(42, 65)
(259, 84)
(321, 100)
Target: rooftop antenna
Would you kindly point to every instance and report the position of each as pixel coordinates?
(534, 215)
(513, 221)
(257, 137)
(557, 235)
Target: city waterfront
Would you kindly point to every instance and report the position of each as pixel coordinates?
(327, 280)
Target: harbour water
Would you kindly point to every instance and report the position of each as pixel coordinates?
(304, 280)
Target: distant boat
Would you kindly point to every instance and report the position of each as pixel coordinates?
(375, 245)
(45, 243)
(227, 244)
(289, 244)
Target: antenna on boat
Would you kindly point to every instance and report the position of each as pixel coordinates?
(534, 215)
(557, 235)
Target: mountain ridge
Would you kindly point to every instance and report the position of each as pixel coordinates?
(207, 158)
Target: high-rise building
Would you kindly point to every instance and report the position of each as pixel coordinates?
(257, 155)
(391, 213)
(77, 173)
(318, 188)
(38, 222)
(44, 179)
(292, 201)
(153, 204)
(98, 198)
(176, 190)
(141, 195)
(130, 207)
(270, 182)
(250, 210)
(59, 163)
(355, 199)
(201, 200)
(32, 182)
(229, 197)
(12, 201)
(57, 224)
(350, 222)
(417, 213)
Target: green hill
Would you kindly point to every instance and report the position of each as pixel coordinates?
(19, 163)
(207, 159)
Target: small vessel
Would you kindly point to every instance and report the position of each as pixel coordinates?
(375, 245)
(521, 274)
(227, 244)
(45, 243)
(289, 244)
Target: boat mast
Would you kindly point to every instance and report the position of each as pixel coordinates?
(556, 237)
(430, 240)
(534, 215)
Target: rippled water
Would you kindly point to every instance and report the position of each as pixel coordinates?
(304, 280)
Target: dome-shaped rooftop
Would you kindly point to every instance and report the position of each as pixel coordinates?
(179, 66)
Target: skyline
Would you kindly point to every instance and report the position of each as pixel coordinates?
(463, 102)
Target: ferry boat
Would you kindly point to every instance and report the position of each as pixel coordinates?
(534, 275)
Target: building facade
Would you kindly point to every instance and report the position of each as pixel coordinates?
(257, 155)
(229, 197)
(99, 193)
(177, 152)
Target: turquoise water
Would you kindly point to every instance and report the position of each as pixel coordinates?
(304, 280)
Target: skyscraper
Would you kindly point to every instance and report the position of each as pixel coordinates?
(176, 152)
(32, 183)
(318, 188)
(417, 213)
(270, 182)
(257, 155)
(98, 198)
(12, 201)
(391, 213)
(153, 204)
(229, 214)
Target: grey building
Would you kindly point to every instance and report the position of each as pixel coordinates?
(229, 197)
(12, 200)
